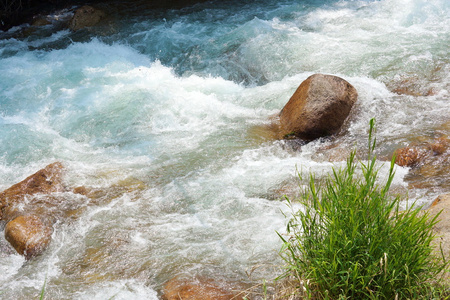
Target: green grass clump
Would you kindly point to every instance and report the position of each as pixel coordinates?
(351, 241)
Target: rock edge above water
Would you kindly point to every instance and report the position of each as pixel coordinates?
(318, 108)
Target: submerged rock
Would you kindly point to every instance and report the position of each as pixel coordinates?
(412, 86)
(424, 153)
(440, 145)
(40, 21)
(318, 108)
(429, 162)
(86, 16)
(197, 289)
(29, 235)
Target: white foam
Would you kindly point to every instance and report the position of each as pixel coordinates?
(11, 265)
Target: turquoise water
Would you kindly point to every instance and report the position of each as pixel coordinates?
(170, 105)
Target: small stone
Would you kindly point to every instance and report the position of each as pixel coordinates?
(81, 190)
(407, 156)
(440, 145)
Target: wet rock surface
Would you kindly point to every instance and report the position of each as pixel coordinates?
(429, 163)
(29, 235)
(31, 207)
(408, 156)
(416, 155)
(197, 289)
(318, 108)
(44, 181)
(29, 222)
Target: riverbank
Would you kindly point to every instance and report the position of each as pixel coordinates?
(17, 12)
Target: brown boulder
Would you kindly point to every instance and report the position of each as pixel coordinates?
(29, 235)
(197, 289)
(86, 16)
(25, 231)
(44, 181)
(318, 107)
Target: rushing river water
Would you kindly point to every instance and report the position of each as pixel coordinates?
(169, 108)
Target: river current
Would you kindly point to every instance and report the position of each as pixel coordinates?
(170, 106)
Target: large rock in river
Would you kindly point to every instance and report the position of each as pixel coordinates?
(27, 232)
(318, 107)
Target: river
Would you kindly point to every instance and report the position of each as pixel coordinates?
(170, 106)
